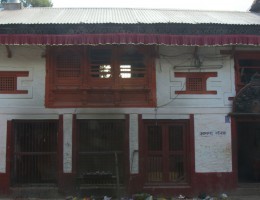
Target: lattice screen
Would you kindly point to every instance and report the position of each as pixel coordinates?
(194, 84)
(7, 84)
(68, 65)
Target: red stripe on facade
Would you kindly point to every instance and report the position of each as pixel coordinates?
(129, 38)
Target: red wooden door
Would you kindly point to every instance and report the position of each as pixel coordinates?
(165, 152)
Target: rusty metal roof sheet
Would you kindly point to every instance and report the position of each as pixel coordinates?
(125, 16)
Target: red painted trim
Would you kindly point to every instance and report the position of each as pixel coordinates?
(74, 144)
(128, 38)
(234, 144)
(6, 177)
(191, 150)
(127, 152)
(60, 151)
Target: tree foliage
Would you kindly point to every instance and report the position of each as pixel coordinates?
(37, 3)
(34, 3)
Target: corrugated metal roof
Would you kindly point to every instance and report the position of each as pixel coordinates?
(125, 16)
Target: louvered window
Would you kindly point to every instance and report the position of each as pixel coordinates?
(100, 76)
(8, 82)
(100, 63)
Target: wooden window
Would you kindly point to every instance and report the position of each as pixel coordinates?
(196, 82)
(100, 76)
(8, 82)
(247, 64)
(165, 152)
(100, 63)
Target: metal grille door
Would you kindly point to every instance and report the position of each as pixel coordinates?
(100, 154)
(35, 152)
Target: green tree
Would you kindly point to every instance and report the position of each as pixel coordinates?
(37, 3)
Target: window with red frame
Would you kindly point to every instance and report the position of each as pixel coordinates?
(196, 82)
(8, 82)
(247, 65)
(100, 76)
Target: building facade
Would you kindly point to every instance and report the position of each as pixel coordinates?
(165, 104)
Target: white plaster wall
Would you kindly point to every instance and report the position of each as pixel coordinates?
(25, 58)
(179, 59)
(213, 150)
(169, 105)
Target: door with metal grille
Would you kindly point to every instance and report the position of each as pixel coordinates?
(34, 152)
(165, 152)
(101, 152)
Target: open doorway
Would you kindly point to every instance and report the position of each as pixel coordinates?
(248, 152)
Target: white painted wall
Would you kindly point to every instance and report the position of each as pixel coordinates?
(213, 150)
(180, 60)
(208, 109)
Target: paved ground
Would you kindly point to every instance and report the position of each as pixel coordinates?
(229, 198)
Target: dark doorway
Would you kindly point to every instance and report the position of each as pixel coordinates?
(101, 147)
(248, 152)
(34, 152)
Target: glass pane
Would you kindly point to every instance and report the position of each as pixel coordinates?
(176, 138)
(176, 172)
(155, 168)
(100, 60)
(154, 138)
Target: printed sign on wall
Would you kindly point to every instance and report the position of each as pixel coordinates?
(213, 151)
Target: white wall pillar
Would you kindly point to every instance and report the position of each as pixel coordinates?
(67, 143)
(3, 135)
(133, 143)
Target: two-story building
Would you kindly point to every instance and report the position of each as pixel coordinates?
(149, 100)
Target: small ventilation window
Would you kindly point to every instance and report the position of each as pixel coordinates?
(8, 82)
(196, 82)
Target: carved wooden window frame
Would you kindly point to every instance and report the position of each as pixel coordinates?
(244, 55)
(8, 82)
(96, 87)
(196, 82)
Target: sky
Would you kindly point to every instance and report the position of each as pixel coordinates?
(229, 5)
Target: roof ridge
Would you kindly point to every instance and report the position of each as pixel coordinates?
(124, 8)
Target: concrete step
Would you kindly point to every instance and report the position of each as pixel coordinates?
(44, 192)
(246, 189)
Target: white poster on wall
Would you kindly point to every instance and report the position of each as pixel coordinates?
(213, 151)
